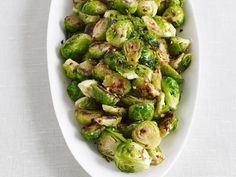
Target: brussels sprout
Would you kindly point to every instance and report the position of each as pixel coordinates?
(143, 88)
(89, 28)
(148, 58)
(167, 124)
(108, 121)
(104, 96)
(125, 7)
(147, 133)
(88, 18)
(147, 7)
(130, 100)
(74, 91)
(70, 68)
(114, 15)
(119, 32)
(114, 110)
(132, 50)
(156, 79)
(100, 29)
(176, 2)
(144, 71)
(151, 39)
(94, 7)
(86, 87)
(117, 84)
(161, 107)
(84, 69)
(163, 5)
(162, 52)
(101, 70)
(126, 130)
(141, 111)
(182, 62)
(178, 45)
(131, 157)
(175, 15)
(167, 70)
(72, 24)
(156, 155)
(91, 132)
(75, 46)
(172, 92)
(87, 103)
(97, 50)
(86, 117)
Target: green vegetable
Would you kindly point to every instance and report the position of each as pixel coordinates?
(86, 87)
(167, 70)
(108, 121)
(86, 117)
(182, 62)
(97, 50)
(94, 7)
(74, 91)
(130, 100)
(167, 124)
(147, 7)
(101, 70)
(151, 39)
(87, 103)
(91, 132)
(162, 52)
(163, 5)
(114, 15)
(72, 24)
(161, 107)
(156, 79)
(144, 71)
(178, 45)
(141, 111)
(148, 58)
(114, 110)
(125, 7)
(70, 68)
(84, 69)
(156, 155)
(100, 29)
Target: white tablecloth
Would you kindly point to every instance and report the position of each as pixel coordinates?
(31, 144)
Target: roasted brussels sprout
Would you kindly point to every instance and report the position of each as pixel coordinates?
(75, 46)
(101, 70)
(138, 24)
(167, 70)
(147, 133)
(156, 79)
(97, 50)
(91, 132)
(73, 24)
(130, 100)
(175, 15)
(148, 58)
(114, 110)
(176, 2)
(126, 130)
(114, 15)
(84, 69)
(87, 19)
(108, 121)
(151, 39)
(144, 71)
(86, 87)
(178, 45)
(161, 107)
(126, 7)
(86, 117)
(70, 68)
(100, 29)
(156, 155)
(94, 7)
(74, 91)
(104, 96)
(163, 5)
(89, 28)
(117, 84)
(87, 103)
(162, 52)
(141, 111)
(131, 157)
(132, 50)
(147, 7)
(119, 32)
(172, 92)
(167, 124)
(182, 62)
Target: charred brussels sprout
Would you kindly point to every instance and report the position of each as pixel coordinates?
(148, 58)
(144, 71)
(130, 100)
(87, 19)
(74, 91)
(126, 6)
(114, 15)
(87, 103)
(101, 70)
(178, 45)
(167, 70)
(161, 107)
(84, 69)
(167, 124)
(94, 7)
(156, 155)
(131, 157)
(86, 117)
(119, 32)
(103, 96)
(138, 24)
(156, 79)
(70, 68)
(108, 121)
(175, 15)
(75, 46)
(100, 29)
(86, 87)
(141, 111)
(97, 50)
(176, 2)
(162, 52)
(147, 7)
(172, 92)
(182, 62)
(91, 132)
(114, 110)
(151, 39)
(72, 24)
(163, 5)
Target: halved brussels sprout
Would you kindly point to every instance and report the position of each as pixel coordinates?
(70, 68)
(162, 52)
(141, 111)
(89, 28)
(86, 117)
(176, 2)
(104, 96)
(147, 133)
(74, 91)
(84, 69)
(144, 88)
(138, 24)
(156, 79)
(91, 132)
(131, 157)
(114, 110)
(97, 50)
(100, 29)
(178, 45)
(167, 70)
(86, 87)
(147, 7)
(130, 100)
(182, 62)
(101, 70)
(167, 124)
(119, 32)
(162, 6)
(172, 92)
(87, 19)
(114, 15)
(117, 84)
(108, 121)
(126, 130)
(148, 58)
(75, 46)
(125, 6)
(132, 50)
(144, 71)
(87, 103)
(94, 7)
(175, 15)
(151, 39)
(72, 24)
(156, 155)
(161, 107)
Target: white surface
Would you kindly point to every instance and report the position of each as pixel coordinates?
(86, 153)
(31, 142)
